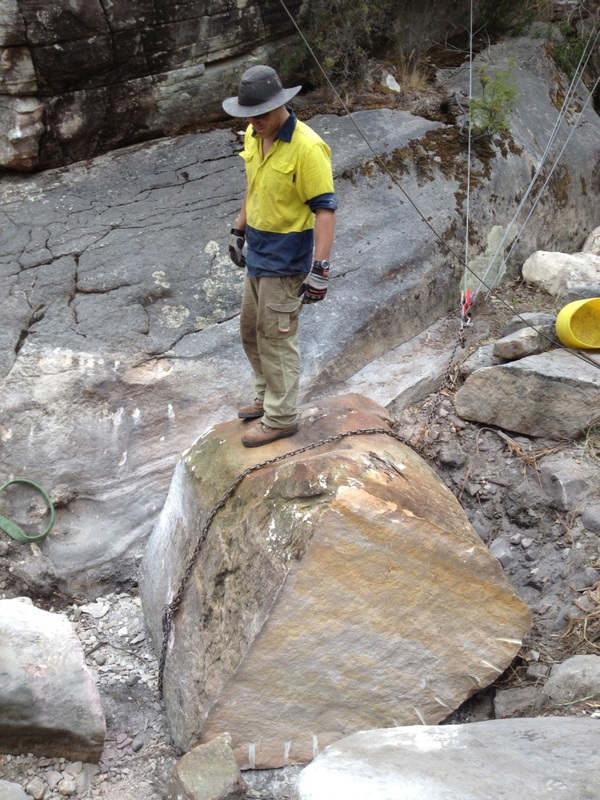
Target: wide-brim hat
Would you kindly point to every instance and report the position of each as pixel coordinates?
(259, 92)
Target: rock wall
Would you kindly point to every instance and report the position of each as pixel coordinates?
(81, 77)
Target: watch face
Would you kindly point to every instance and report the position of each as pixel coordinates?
(325, 264)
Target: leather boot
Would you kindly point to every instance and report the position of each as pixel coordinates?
(261, 434)
(253, 411)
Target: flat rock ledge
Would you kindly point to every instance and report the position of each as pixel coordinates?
(557, 757)
(339, 588)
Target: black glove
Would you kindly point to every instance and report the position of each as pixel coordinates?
(315, 286)
(236, 247)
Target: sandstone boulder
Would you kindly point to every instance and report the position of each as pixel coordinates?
(338, 589)
(554, 395)
(49, 703)
(556, 273)
(503, 759)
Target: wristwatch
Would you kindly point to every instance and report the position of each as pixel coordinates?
(323, 264)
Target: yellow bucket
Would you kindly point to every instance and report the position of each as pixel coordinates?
(578, 324)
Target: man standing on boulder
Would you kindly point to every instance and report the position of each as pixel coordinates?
(287, 223)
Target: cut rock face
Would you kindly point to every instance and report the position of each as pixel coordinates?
(337, 590)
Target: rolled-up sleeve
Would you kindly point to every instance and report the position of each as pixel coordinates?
(327, 200)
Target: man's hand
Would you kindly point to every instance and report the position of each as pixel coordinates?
(315, 286)
(236, 247)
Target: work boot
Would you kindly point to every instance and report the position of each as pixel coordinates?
(263, 434)
(253, 411)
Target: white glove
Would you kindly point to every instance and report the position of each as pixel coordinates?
(236, 247)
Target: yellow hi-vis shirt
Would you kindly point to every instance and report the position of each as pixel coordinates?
(284, 190)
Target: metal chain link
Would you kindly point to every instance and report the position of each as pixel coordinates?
(460, 341)
(170, 610)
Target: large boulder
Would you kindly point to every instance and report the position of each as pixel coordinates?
(49, 702)
(503, 759)
(337, 588)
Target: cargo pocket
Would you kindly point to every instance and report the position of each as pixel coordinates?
(282, 319)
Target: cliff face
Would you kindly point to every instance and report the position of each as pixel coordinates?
(82, 77)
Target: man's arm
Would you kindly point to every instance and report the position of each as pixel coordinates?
(240, 222)
(315, 286)
(324, 233)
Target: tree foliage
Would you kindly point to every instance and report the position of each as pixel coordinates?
(343, 35)
(490, 111)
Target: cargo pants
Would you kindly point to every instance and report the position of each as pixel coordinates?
(269, 333)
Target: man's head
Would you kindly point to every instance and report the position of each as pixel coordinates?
(260, 92)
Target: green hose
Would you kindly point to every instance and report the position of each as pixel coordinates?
(12, 529)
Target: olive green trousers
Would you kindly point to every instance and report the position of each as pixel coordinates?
(269, 332)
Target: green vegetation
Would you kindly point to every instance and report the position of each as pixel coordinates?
(568, 52)
(513, 17)
(343, 35)
(490, 111)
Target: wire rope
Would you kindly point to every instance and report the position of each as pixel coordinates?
(470, 136)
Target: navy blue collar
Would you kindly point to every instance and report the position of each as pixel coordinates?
(285, 134)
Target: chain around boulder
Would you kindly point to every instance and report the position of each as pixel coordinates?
(170, 610)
